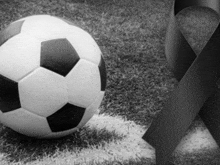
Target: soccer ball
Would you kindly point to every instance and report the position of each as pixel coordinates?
(52, 76)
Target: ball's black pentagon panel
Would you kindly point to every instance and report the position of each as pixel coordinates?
(9, 95)
(10, 31)
(58, 55)
(102, 70)
(68, 117)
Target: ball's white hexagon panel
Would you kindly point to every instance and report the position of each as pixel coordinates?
(43, 92)
(44, 27)
(84, 44)
(26, 123)
(60, 134)
(83, 83)
(92, 109)
(19, 56)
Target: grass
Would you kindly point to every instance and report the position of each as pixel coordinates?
(131, 35)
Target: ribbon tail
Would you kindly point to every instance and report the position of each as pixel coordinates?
(210, 114)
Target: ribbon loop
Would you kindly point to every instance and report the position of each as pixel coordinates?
(178, 51)
(180, 5)
(196, 93)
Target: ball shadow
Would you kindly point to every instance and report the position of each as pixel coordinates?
(20, 148)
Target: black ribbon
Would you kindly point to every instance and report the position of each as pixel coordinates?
(197, 91)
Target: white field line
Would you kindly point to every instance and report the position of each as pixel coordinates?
(132, 146)
(196, 141)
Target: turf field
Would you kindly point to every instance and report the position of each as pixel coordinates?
(131, 35)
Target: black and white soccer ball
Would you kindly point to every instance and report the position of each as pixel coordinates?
(52, 76)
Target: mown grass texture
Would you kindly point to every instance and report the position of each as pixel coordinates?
(131, 35)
